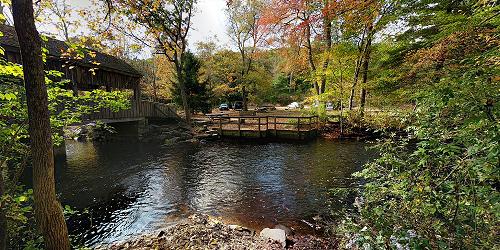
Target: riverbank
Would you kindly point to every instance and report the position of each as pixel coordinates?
(332, 130)
(206, 232)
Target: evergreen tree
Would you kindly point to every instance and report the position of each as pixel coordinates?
(198, 93)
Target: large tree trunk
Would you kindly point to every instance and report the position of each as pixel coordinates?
(310, 58)
(3, 218)
(327, 37)
(48, 211)
(366, 63)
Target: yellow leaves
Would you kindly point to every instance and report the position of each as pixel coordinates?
(92, 54)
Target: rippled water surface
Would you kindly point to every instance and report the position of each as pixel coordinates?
(131, 188)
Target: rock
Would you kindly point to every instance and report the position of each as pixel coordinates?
(278, 235)
(193, 141)
(199, 218)
(171, 141)
(182, 127)
(287, 230)
(185, 136)
(241, 229)
(160, 234)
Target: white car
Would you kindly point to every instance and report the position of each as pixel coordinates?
(293, 105)
(329, 106)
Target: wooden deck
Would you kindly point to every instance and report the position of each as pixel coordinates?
(285, 127)
(138, 110)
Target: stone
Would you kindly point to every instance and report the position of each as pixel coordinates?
(288, 231)
(278, 235)
(185, 136)
(241, 229)
(171, 141)
(160, 234)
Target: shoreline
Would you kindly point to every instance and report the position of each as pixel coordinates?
(200, 231)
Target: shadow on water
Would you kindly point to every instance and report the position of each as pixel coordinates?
(131, 188)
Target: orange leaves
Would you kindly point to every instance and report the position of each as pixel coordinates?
(450, 51)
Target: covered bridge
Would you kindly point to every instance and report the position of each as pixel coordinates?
(95, 70)
(111, 73)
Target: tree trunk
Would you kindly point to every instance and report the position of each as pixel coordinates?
(310, 58)
(366, 62)
(48, 211)
(3, 218)
(327, 37)
(355, 82)
(182, 87)
(359, 61)
(362, 101)
(244, 70)
(155, 88)
(244, 93)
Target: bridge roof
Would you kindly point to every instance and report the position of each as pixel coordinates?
(56, 48)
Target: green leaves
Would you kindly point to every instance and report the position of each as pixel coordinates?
(7, 96)
(65, 109)
(440, 182)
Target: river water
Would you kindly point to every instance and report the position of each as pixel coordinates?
(130, 189)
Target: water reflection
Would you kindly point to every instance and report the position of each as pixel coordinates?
(134, 188)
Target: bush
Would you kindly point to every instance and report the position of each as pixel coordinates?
(438, 187)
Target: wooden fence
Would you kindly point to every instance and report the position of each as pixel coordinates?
(268, 126)
(138, 109)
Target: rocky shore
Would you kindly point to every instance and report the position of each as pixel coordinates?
(206, 232)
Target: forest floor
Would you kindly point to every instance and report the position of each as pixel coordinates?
(205, 232)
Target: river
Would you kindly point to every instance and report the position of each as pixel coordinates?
(132, 188)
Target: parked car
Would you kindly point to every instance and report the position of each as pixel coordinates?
(315, 104)
(329, 106)
(223, 106)
(265, 108)
(293, 105)
(238, 105)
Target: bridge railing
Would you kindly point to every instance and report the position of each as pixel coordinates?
(138, 109)
(265, 123)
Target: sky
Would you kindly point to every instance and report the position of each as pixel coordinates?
(209, 21)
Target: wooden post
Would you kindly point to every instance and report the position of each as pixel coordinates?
(298, 126)
(259, 128)
(317, 125)
(220, 126)
(239, 126)
(267, 123)
(275, 131)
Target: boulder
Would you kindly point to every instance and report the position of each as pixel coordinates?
(275, 234)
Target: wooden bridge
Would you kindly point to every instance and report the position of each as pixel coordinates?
(139, 110)
(285, 127)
